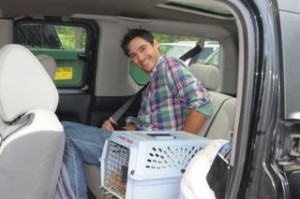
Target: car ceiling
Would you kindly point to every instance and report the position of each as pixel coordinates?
(142, 9)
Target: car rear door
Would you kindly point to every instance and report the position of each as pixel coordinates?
(73, 45)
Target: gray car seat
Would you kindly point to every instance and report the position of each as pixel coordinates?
(48, 63)
(208, 75)
(32, 138)
(220, 124)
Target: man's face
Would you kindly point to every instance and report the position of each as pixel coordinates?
(144, 54)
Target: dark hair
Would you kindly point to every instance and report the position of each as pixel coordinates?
(133, 33)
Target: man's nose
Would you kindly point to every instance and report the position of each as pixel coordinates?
(140, 56)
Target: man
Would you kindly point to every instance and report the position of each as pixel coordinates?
(173, 100)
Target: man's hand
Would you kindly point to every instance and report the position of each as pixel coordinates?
(108, 124)
(130, 127)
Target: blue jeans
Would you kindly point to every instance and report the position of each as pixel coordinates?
(82, 144)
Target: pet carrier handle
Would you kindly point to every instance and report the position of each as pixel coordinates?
(162, 136)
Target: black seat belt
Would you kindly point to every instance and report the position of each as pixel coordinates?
(191, 53)
(118, 114)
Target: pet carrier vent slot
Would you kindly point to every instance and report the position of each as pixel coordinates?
(169, 157)
(116, 168)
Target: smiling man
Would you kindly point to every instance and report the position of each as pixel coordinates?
(173, 100)
(144, 54)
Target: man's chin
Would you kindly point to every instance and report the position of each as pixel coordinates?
(149, 71)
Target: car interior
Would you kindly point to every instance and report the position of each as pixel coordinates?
(106, 81)
(222, 82)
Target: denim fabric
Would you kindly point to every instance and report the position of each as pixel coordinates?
(82, 144)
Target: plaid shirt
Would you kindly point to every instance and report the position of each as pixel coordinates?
(171, 93)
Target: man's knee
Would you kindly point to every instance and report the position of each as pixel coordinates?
(69, 129)
(67, 123)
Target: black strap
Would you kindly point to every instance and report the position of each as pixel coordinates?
(118, 114)
(191, 53)
(217, 176)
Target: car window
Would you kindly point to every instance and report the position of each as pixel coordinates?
(176, 51)
(137, 74)
(66, 43)
(213, 59)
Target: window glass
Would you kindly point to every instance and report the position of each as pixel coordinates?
(213, 58)
(176, 46)
(65, 43)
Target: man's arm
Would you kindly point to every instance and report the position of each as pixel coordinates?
(181, 81)
(194, 121)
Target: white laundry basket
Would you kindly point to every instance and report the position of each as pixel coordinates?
(147, 165)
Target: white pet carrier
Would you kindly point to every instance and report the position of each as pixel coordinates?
(147, 165)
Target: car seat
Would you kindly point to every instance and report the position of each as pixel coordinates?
(48, 63)
(32, 138)
(220, 124)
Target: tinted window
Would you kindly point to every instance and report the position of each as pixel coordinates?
(65, 43)
(213, 59)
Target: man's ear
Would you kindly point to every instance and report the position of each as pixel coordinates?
(155, 43)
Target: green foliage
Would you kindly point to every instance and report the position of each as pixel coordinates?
(168, 38)
(71, 37)
(75, 37)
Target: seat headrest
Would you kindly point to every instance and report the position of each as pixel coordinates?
(48, 63)
(24, 84)
(208, 75)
